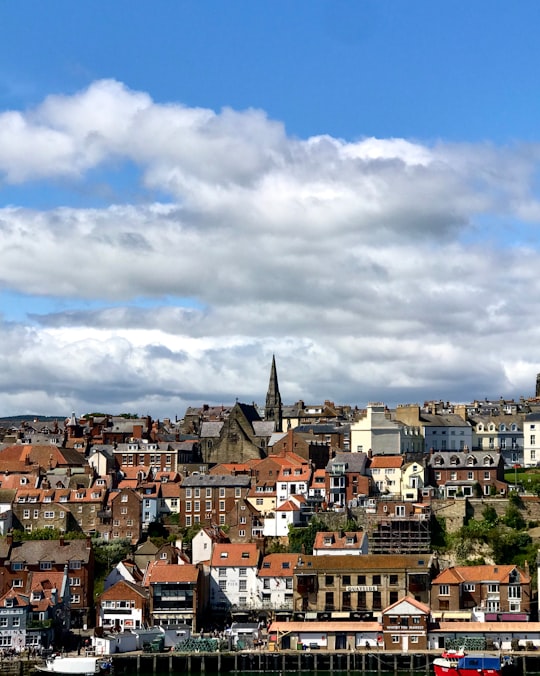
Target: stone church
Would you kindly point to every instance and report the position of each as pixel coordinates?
(243, 435)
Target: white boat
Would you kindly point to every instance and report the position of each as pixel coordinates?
(76, 666)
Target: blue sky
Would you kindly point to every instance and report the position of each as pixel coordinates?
(350, 185)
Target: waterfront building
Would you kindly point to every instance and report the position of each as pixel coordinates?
(337, 543)
(405, 625)
(492, 593)
(177, 594)
(123, 606)
(234, 577)
(360, 586)
(275, 585)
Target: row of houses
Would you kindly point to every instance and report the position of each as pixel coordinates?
(254, 499)
(339, 583)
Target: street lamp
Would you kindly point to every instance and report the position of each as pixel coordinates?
(515, 476)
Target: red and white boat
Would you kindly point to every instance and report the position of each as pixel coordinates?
(459, 663)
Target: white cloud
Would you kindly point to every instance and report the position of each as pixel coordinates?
(368, 267)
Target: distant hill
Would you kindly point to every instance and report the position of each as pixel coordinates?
(30, 418)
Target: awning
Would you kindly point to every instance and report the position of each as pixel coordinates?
(452, 615)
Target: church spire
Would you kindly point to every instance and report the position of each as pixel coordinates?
(273, 410)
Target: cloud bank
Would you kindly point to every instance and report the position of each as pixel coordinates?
(375, 269)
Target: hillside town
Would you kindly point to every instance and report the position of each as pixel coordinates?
(309, 525)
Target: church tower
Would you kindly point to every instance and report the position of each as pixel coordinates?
(273, 409)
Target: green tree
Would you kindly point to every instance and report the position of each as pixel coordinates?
(489, 514)
(302, 538)
(513, 518)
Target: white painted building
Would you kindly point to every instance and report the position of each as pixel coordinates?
(233, 576)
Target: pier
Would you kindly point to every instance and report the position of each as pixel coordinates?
(373, 663)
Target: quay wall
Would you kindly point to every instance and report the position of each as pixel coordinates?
(365, 662)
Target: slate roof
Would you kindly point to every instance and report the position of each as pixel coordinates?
(34, 551)
(354, 462)
(460, 459)
(241, 480)
(387, 562)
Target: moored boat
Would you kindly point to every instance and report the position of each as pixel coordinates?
(76, 666)
(459, 663)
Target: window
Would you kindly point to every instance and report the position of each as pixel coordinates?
(414, 639)
(188, 520)
(237, 493)
(26, 514)
(124, 498)
(242, 585)
(393, 579)
(241, 533)
(3, 621)
(395, 639)
(75, 598)
(188, 506)
(444, 590)
(197, 506)
(17, 582)
(493, 588)
(533, 439)
(75, 565)
(208, 492)
(329, 580)
(222, 492)
(74, 581)
(197, 492)
(123, 510)
(188, 492)
(45, 565)
(514, 592)
(376, 579)
(222, 505)
(208, 505)
(469, 587)
(223, 585)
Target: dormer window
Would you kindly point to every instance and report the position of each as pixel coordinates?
(79, 496)
(327, 541)
(285, 564)
(8, 603)
(23, 481)
(224, 555)
(47, 498)
(454, 460)
(63, 498)
(245, 555)
(36, 596)
(266, 564)
(488, 460)
(471, 460)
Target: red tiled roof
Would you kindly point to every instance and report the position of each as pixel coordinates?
(235, 555)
